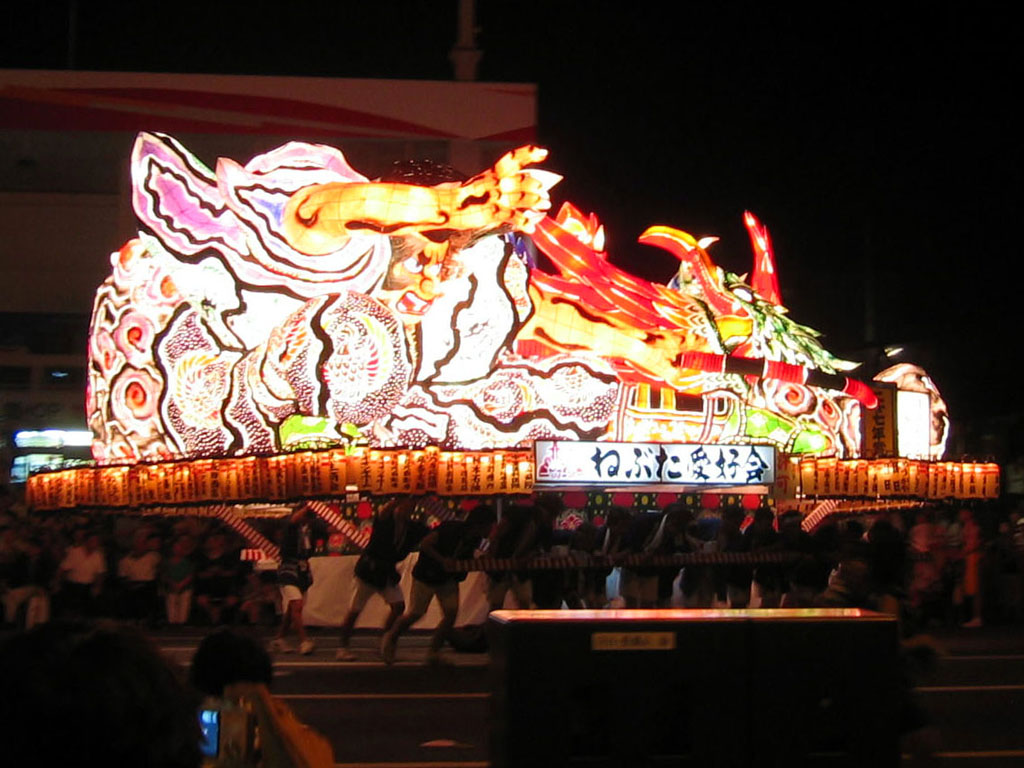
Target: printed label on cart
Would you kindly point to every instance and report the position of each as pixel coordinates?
(633, 641)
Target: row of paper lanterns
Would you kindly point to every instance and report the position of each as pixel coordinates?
(334, 473)
(285, 477)
(888, 478)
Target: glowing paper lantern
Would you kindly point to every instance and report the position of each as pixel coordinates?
(575, 499)
(445, 482)
(66, 490)
(934, 468)
(826, 471)
(276, 476)
(917, 478)
(710, 500)
(956, 481)
(990, 481)
(874, 488)
(114, 484)
(787, 478)
(972, 480)
(84, 483)
(623, 499)
(809, 477)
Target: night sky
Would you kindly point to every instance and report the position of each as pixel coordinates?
(879, 145)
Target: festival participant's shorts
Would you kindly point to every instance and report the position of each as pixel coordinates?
(421, 593)
(500, 584)
(643, 589)
(361, 592)
(289, 592)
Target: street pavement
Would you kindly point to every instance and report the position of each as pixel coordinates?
(412, 714)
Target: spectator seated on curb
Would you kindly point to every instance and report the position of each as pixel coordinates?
(177, 578)
(138, 573)
(82, 572)
(217, 580)
(29, 580)
(261, 598)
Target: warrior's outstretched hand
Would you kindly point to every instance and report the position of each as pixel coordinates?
(321, 218)
(509, 193)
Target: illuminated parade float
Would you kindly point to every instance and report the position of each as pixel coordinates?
(288, 331)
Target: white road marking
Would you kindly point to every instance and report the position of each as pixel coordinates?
(446, 743)
(967, 688)
(360, 664)
(985, 657)
(369, 696)
(995, 754)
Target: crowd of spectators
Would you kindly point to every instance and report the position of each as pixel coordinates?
(149, 571)
(955, 566)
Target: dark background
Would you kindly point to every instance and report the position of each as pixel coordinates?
(881, 145)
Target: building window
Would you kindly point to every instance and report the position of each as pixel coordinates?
(15, 377)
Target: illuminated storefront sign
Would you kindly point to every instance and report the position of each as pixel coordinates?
(599, 463)
(52, 438)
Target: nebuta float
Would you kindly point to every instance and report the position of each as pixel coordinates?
(292, 303)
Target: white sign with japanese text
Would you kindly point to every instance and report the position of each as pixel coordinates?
(598, 463)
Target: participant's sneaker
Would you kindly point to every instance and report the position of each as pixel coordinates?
(278, 645)
(387, 648)
(344, 654)
(306, 647)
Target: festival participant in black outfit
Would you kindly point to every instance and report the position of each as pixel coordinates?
(609, 544)
(393, 537)
(217, 579)
(294, 576)
(549, 584)
(737, 578)
(802, 578)
(639, 585)
(675, 539)
(763, 537)
(451, 540)
(514, 536)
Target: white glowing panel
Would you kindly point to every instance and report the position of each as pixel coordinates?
(601, 463)
(913, 424)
